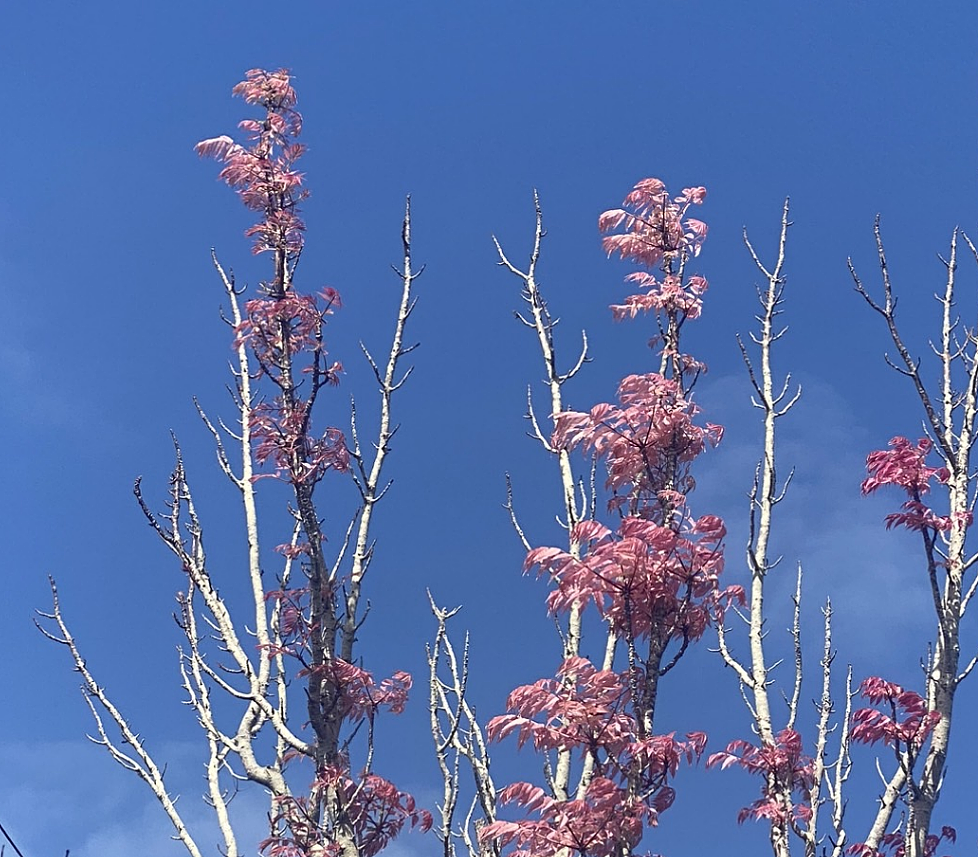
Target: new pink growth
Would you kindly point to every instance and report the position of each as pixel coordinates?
(657, 234)
(654, 224)
(263, 173)
(906, 723)
(282, 437)
(894, 844)
(647, 579)
(903, 466)
(654, 580)
(648, 440)
(786, 771)
(283, 328)
(283, 324)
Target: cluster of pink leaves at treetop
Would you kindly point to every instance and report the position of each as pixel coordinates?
(654, 578)
(283, 328)
(658, 234)
(282, 324)
(655, 225)
(903, 465)
(659, 573)
(661, 568)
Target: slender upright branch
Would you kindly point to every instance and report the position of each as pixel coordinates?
(369, 481)
(138, 759)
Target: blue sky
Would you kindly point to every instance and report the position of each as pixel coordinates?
(106, 223)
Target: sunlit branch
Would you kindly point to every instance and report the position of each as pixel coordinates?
(140, 762)
(371, 491)
(457, 735)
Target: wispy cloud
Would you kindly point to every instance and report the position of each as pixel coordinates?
(69, 795)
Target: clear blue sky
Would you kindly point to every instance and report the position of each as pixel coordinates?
(111, 325)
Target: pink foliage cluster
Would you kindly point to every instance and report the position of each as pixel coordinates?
(903, 465)
(658, 574)
(669, 295)
(894, 844)
(263, 173)
(282, 437)
(283, 324)
(374, 808)
(646, 579)
(598, 825)
(582, 708)
(656, 233)
(589, 711)
(785, 769)
(906, 723)
(655, 225)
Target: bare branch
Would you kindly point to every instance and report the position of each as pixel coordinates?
(140, 762)
(457, 735)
